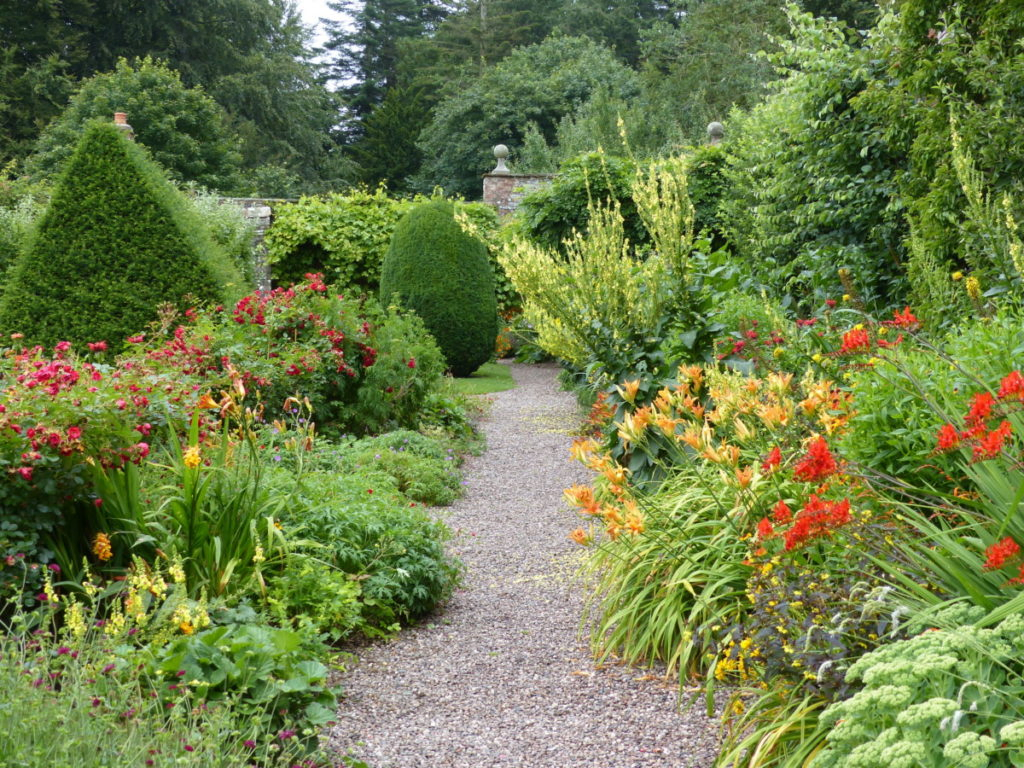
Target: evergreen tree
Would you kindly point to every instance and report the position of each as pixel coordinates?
(116, 241)
(387, 151)
(367, 54)
(182, 127)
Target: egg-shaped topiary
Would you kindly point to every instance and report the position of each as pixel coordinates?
(116, 242)
(442, 273)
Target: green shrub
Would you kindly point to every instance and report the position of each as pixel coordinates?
(953, 696)
(549, 216)
(442, 273)
(394, 548)
(116, 241)
(346, 236)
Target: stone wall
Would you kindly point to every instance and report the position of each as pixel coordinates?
(260, 212)
(505, 190)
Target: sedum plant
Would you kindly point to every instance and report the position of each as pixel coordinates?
(946, 697)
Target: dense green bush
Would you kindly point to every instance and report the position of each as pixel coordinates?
(116, 241)
(184, 128)
(549, 215)
(442, 273)
(815, 177)
(345, 236)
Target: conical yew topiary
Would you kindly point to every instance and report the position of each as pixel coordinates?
(442, 273)
(116, 241)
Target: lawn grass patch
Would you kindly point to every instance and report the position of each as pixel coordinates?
(490, 377)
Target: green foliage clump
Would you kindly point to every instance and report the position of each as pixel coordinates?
(953, 696)
(443, 274)
(345, 237)
(184, 128)
(368, 529)
(116, 242)
(540, 84)
(550, 215)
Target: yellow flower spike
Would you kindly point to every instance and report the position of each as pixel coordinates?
(628, 390)
(101, 547)
(973, 286)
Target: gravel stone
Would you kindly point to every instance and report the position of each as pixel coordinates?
(501, 677)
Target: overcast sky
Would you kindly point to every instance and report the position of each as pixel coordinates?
(311, 11)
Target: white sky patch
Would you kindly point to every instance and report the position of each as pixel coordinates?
(312, 11)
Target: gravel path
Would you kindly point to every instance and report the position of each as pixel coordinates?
(501, 678)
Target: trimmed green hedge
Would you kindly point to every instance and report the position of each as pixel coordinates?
(345, 237)
(116, 241)
(442, 273)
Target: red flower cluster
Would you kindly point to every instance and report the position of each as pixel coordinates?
(817, 518)
(984, 406)
(997, 554)
(855, 340)
(774, 459)
(817, 464)
(904, 319)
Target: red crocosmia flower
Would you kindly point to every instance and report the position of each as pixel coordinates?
(855, 340)
(781, 512)
(997, 554)
(839, 513)
(981, 409)
(904, 319)
(773, 460)
(991, 445)
(888, 344)
(1012, 386)
(948, 439)
(817, 464)
(765, 529)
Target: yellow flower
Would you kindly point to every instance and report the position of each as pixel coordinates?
(186, 627)
(191, 458)
(973, 286)
(580, 536)
(777, 352)
(258, 557)
(101, 547)
(628, 390)
(816, 357)
(846, 297)
(958, 275)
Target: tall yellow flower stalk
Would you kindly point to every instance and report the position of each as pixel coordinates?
(601, 291)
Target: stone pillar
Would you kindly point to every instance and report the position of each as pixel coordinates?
(504, 189)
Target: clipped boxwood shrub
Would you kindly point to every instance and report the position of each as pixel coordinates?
(345, 237)
(116, 241)
(442, 273)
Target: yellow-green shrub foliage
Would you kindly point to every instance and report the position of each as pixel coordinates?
(116, 241)
(601, 297)
(440, 271)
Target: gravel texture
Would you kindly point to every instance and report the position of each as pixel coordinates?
(501, 677)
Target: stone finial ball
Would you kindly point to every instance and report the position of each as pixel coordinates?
(716, 130)
(500, 151)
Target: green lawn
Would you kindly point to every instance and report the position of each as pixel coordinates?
(490, 377)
